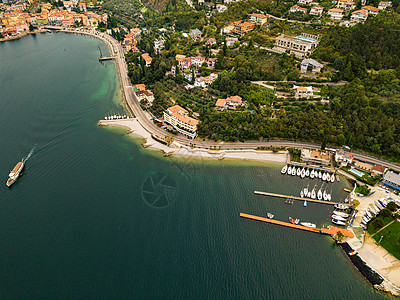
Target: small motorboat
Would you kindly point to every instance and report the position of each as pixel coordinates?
(303, 173)
(324, 177)
(339, 223)
(341, 214)
(284, 169)
(270, 216)
(308, 224)
(312, 174)
(319, 195)
(293, 171)
(313, 193)
(320, 175)
(307, 172)
(296, 221)
(325, 196)
(291, 220)
(309, 194)
(301, 194)
(341, 206)
(305, 191)
(298, 172)
(289, 202)
(339, 218)
(329, 196)
(305, 203)
(333, 178)
(289, 170)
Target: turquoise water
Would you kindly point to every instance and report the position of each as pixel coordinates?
(358, 173)
(96, 216)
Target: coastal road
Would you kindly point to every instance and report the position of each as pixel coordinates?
(133, 104)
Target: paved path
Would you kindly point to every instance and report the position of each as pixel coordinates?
(384, 227)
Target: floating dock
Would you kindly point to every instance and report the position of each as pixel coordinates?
(332, 230)
(298, 198)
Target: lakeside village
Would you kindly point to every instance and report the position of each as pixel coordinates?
(372, 208)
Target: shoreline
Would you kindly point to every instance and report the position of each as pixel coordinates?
(21, 35)
(176, 149)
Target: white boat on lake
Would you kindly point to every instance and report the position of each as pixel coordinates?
(308, 224)
(284, 169)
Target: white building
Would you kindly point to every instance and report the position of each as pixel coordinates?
(384, 5)
(178, 117)
(296, 8)
(335, 14)
(197, 61)
(316, 10)
(221, 8)
(304, 2)
(310, 65)
(301, 46)
(303, 91)
(359, 15)
(373, 11)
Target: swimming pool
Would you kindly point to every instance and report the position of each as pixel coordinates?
(358, 173)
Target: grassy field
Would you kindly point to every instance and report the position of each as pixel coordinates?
(390, 240)
(371, 229)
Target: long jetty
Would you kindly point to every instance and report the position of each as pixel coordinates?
(332, 230)
(298, 198)
(281, 223)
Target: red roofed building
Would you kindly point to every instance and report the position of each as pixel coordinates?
(146, 57)
(179, 118)
(359, 15)
(258, 19)
(296, 8)
(378, 170)
(242, 27)
(371, 10)
(229, 103)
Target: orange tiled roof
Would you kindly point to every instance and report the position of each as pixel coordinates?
(177, 108)
(336, 10)
(369, 7)
(220, 102)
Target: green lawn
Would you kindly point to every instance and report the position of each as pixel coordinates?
(371, 229)
(390, 240)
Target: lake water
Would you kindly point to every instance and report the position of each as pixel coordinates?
(95, 216)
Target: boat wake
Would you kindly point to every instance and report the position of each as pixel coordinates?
(29, 154)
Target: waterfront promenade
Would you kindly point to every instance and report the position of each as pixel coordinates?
(133, 104)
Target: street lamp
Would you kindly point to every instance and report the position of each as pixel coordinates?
(380, 239)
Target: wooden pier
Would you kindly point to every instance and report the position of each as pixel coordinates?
(298, 198)
(106, 58)
(281, 223)
(331, 230)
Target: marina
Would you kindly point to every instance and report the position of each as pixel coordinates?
(299, 198)
(308, 172)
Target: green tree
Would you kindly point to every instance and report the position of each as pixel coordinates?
(323, 145)
(385, 213)
(391, 206)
